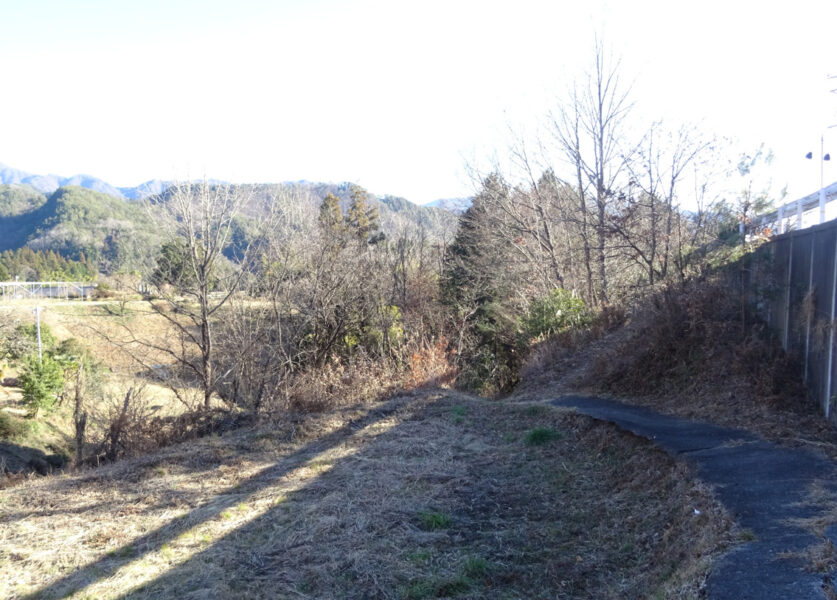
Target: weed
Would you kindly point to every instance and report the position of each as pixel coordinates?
(417, 590)
(535, 410)
(452, 586)
(431, 521)
(458, 411)
(541, 435)
(123, 552)
(322, 464)
(476, 567)
(419, 556)
(746, 535)
(167, 552)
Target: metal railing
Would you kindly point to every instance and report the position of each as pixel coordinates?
(810, 210)
(21, 290)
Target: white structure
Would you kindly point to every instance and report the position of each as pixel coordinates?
(19, 290)
(812, 209)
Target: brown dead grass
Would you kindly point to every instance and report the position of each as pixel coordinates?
(432, 494)
(687, 353)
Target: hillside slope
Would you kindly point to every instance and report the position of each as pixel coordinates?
(117, 234)
(431, 494)
(75, 220)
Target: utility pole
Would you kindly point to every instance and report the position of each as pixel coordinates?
(823, 157)
(37, 312)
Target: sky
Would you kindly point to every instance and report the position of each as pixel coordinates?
(399, 97)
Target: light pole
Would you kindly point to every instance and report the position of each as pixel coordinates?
(823, 157)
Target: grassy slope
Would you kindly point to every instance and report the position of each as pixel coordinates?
(89, 323)
(433, 494)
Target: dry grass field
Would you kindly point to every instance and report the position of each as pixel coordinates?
(104, 328)
(428, 495)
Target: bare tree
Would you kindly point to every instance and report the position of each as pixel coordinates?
(648, 224)
(193, 276)
(589, 131)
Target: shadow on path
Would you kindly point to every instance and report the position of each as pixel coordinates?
(764, 486)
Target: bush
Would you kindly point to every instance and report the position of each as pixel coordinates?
(24, 341)
(556, 312)
(11, 427)
(42, 382)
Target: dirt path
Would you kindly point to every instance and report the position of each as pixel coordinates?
(786, 498)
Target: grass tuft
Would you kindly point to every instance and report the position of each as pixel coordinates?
(541, 435)
(432, 521)
(476, 567)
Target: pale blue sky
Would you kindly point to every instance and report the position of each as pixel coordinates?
(391, 95)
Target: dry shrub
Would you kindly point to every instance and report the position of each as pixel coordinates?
(365, 379)
(430, 364)
(557, 349)
(336, 384)
(126, 428)
(692, 332)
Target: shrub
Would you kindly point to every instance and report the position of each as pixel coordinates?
(556, 312)
(10, 427)
(24, 341)
(42, 382)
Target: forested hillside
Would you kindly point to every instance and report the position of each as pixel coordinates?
(114, 235)
(74, 222)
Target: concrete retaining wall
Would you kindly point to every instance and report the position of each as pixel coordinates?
(793, 279)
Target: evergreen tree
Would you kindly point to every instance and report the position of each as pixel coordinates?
(331, 216)
(362, 219)
(479, 287)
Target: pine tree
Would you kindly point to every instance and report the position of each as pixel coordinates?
(331, 216)
(362, 219)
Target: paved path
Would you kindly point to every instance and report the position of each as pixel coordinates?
(762, 484)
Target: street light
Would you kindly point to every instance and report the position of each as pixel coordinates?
(823, 157)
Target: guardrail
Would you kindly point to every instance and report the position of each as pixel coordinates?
(810, 210)
(20, 290)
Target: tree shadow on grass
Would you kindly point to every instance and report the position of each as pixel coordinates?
(107, 566)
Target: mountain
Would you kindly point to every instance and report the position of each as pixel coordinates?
(455, 205)
(394, 213)
(86, 215)
(47, 184)
(112, 233)
(153, 187)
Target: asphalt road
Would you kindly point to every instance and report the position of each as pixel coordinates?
(762, 484)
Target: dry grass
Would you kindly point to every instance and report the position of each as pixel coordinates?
(431, 494)
(97, 326)
(688, 354)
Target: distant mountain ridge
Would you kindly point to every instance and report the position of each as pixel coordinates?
(455, 205)
(113, 231)
(47, 184)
